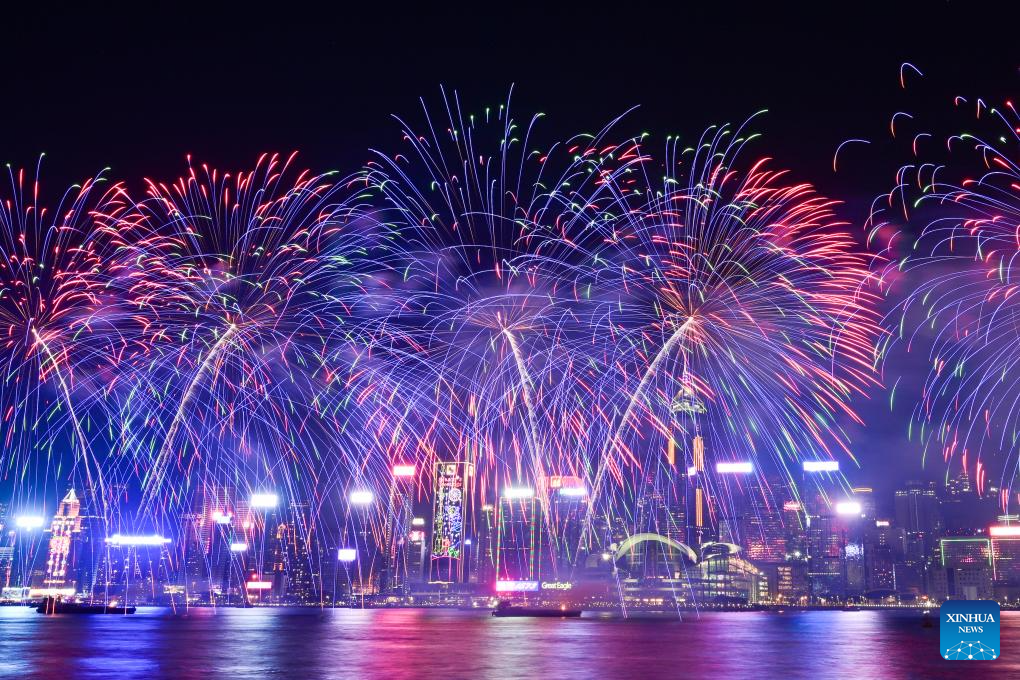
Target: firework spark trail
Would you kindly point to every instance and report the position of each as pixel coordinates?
(961, 277)
(638, 396)
(536, 311)
(763, 268)
(754, 268)
(271, 264)
(487, 218)
(91, 462)
(528, 390)
(63, 326)
(159, 465)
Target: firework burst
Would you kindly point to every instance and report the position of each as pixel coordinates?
(63, 328)
(962, 273)
(255, 295)
(736, 311)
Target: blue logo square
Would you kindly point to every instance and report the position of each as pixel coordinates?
(969, 630)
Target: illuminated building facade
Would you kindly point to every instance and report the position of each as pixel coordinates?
(6, 565)
(65, 531)
(1005, 545)
(879, 558)
(792, 582)
(414, 555)
(826, 539)
(294, 578)
(451, 513)
(699, 516)
(484, 569)
(517, 538)
(917, 512)
(562, 550)
(726, 577)
(760, 526)
(395, 576)
(964, 570)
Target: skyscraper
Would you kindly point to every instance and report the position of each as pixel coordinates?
(393, 577)
(568, 507)
(294, 572)
(414, 555)
(1005, 540)
(826, 539)
(450, 514)
(65, 531)
(196, 567)
(485, 571)
(698, 517)
(760, 525)
(879, 557)
(517, 539)
(917, 512)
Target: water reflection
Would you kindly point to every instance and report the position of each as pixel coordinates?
(408, 643)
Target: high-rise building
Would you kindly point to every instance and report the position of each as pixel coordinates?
(958, 551)
(197, 586)
(294, 572)
(698, 529)
(879, 557)
(792, 585)
(90, 545)
(563, 551)
(909, 579)
(959, 485)
(761, 527)
(795, 525)
(485, 568)
(6, 565)
(65, 531)
(826, 540)
(134, 574)
(414, 555)
(1005, 543)
(450, 514)
(917, 512)
(519, 526)
(207, 534)
(965, 569)
(865, 496)
(6, 549)
(393, 577)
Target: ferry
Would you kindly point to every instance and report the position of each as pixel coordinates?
(509, 609)
(55, 606)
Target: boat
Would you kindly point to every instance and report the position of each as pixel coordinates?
(55, 606)
(509, 609)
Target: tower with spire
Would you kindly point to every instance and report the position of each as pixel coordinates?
(64, 531)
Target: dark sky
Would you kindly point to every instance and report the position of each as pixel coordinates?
(138, 89)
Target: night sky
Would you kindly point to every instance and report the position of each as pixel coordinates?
(137, 90)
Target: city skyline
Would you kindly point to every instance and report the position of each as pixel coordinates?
(667, 321)
(939, 542)
(478, 341)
